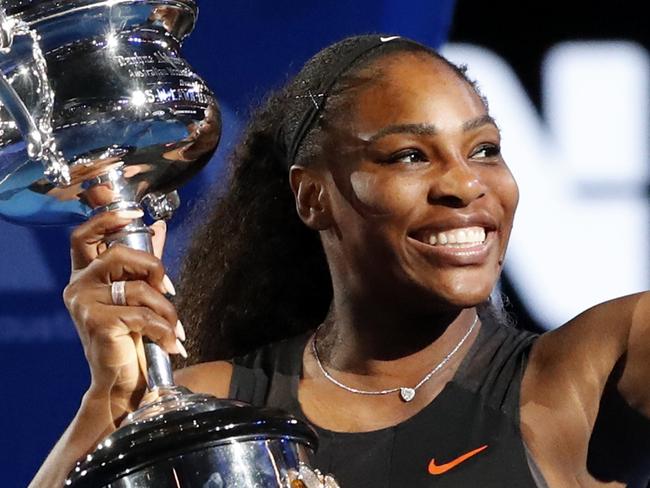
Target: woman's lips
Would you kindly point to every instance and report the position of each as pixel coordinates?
(460, 247)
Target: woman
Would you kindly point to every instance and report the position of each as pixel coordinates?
(388, 157)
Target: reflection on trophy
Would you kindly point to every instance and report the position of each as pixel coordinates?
(99, 112)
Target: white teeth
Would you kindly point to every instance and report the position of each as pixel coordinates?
(465, 237)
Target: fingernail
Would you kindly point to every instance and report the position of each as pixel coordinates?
(168, 286)
(159, 223)
(180, 331)
(129, 214)
(181, 349)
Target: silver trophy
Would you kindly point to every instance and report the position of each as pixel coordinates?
(99, 112)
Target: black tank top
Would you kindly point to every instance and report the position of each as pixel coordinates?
(468, 436)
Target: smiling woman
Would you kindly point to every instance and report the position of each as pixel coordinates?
(345, 275)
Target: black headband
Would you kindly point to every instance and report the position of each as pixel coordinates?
(322, 91)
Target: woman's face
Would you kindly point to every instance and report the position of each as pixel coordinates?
(421, 200)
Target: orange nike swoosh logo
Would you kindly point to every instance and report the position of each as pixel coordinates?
(443, 468)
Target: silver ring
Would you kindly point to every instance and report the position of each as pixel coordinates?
(118, 292)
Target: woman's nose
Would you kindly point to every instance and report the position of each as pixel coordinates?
(457, 186)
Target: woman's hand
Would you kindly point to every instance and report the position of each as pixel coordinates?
(112, 334)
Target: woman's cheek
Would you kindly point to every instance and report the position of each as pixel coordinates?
(506, 188)
(380, 195)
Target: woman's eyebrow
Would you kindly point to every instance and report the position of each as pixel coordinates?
(418, 129)
(429, 129)
(479, 122)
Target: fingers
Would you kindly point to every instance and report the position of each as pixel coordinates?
(88, 295)
(87, 245)
(146, 311)
(120, 263)
(87, 239)
(159, 229)
(144, 321)
(117, 326)
(142, 294)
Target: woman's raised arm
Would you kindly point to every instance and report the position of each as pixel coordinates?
(111, 335)
(588, 383)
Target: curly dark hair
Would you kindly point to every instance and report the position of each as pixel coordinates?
(254, 272)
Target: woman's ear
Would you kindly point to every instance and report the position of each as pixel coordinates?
(312, 201)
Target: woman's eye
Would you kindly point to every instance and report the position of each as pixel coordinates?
(408, 157)
(486, 151)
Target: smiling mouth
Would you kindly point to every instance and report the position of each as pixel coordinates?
(463, 237)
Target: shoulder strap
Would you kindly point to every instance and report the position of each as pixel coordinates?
(266, 376)
(494, 367)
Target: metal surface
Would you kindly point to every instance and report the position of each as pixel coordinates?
(159, 368)
(90, 87)
(256, 463)
(194, 440)
(100, 112)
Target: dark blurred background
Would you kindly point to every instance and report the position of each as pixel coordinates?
(523, 33)
(243, 49)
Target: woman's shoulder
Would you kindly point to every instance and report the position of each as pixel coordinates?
(590, 343)
(215, 377)
(569, 378)
(574, 366)
(579, 356)
(212, 378)
(283, 356)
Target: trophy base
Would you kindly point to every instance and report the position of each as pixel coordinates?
(184, 439)
(254, 463)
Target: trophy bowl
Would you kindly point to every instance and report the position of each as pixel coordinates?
(93, 86)
(100, 112)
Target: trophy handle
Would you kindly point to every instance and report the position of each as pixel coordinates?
(40, 143)
(161, 206)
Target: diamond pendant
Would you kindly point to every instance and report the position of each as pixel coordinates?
(407, 394)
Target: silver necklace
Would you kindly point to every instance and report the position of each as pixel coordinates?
(407, 394)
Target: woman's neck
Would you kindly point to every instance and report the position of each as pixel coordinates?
(384, 341)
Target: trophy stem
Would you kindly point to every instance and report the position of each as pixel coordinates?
(112, 192)
(159, 369)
